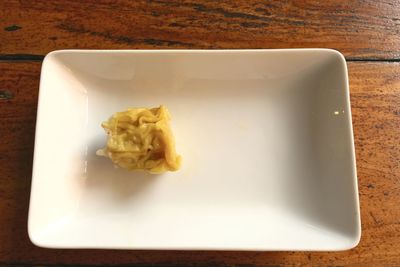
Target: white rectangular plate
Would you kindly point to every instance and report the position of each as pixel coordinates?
(266, 140)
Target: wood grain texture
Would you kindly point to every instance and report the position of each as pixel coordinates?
(375, 97)
(359, 29)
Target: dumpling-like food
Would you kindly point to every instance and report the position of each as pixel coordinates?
(141, 139)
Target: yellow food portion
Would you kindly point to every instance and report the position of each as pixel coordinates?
(141, 139)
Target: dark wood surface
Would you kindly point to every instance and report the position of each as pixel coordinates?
(367, 32)
(359, 29)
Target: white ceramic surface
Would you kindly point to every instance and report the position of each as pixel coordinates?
(266, 140)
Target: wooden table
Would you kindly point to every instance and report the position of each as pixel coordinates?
(367, 32)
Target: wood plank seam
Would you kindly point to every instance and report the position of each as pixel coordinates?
(32, 57)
